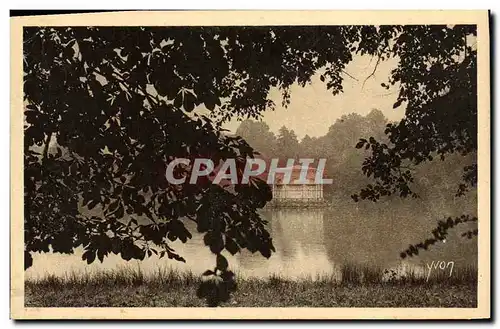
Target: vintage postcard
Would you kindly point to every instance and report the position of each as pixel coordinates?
(251, 165)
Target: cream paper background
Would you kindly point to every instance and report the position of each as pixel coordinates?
(231, 18)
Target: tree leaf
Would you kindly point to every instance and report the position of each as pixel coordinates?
(221, 262)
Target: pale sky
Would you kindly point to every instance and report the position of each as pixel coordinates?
(313, 108)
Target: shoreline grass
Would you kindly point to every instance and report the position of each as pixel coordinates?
(358, 287)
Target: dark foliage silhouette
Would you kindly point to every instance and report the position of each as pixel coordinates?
(437, 75)
(106, 108)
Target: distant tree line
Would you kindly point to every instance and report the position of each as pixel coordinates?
(435, 183)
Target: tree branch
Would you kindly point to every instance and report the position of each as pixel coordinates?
(374, 70)
(350, 76)
(46, 147)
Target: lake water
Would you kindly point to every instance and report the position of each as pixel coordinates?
(308, 242)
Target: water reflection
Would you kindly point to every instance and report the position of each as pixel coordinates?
(309, 243)
(298, 236)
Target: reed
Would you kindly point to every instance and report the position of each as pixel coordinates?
(353, 286)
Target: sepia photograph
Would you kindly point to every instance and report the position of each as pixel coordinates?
(250, 165)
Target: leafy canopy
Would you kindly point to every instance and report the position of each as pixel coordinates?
(106, 109)
(438, 83)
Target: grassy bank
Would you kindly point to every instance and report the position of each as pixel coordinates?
(359, 287)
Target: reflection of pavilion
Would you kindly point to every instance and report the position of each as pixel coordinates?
(297, 226)
(300, 247)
